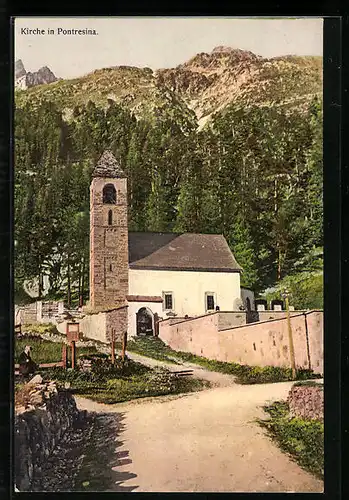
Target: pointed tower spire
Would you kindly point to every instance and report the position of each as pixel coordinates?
(108, 166)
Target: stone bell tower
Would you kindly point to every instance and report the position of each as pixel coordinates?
(108, 235)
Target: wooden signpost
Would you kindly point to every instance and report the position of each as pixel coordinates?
(73, 335)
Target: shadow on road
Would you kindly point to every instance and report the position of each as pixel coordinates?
(99, 470)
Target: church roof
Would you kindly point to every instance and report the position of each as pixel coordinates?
(187, 252)
(108, 166)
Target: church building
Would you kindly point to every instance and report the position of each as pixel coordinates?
(147, 276)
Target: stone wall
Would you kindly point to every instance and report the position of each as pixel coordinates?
(26, 314)
(39, 312)
(270, 314)
(197, 335)
(93, 326)
(228, 319)
(116, 322)
(307, 401)
(265, 343)
(256, 344)
(316, 342)
(100, 326)
(43, 415)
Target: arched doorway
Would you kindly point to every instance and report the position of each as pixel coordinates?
(145, 323)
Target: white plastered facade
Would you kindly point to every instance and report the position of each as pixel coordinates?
(188, 289)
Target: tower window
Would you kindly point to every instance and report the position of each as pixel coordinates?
(110, 267)
(109, 194)
(110, 217)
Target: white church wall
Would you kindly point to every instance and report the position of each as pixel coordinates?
(188, 288)
(134, 307)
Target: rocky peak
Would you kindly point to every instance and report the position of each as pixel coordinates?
(24, 79)
(222, 48)
(19, 69)
(221, 57)
(44, 75)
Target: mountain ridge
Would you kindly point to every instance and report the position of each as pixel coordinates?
(204, 85)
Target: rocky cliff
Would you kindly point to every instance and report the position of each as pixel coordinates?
(25, 80)
(210, 81)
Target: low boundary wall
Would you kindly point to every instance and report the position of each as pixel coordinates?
(264, 343)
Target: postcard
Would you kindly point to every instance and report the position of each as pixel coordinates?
(168, 206)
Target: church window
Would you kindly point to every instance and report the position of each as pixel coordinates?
(110, 218)
(109, 194)
(110, 267)
(168, 301)
(209, 301)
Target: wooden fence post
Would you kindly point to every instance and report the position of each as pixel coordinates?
(124, 344)
(73, 354)
(290, 337)
(64, 356)
(113, 347)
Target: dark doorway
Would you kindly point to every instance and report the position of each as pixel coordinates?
(248, 304)
(145, 322)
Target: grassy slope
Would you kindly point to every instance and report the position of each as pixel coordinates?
(134, 88)
(44, 351)
(302, 439)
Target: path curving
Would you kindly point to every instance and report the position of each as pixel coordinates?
(217, 379)
(201, 442)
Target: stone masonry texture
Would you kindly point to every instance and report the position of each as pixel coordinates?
(307, 401)
(108, 246)
(41, 422)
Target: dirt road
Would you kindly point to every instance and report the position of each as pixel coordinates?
(201, 442)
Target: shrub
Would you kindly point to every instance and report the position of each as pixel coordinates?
(40, 328)
(103, 368)
(110, 387)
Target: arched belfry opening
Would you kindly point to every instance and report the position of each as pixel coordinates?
(109, 194)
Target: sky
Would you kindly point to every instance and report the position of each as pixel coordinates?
(156, 42)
